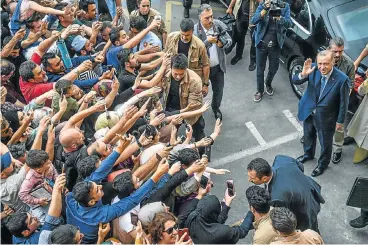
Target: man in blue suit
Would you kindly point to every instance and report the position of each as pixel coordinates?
(322, 107)
(272, 21)
(289, 187)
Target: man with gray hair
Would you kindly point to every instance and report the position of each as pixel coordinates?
(322, 107)
(346, 65)
(216, 39)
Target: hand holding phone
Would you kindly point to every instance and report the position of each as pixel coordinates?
(181, 232)
(230, 187)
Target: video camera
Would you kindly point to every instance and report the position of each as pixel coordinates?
(275, 8)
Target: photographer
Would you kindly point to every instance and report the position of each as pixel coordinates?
(216, 39)
(272, 19)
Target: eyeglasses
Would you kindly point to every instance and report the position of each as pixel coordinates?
(145, 6)
(171, 229)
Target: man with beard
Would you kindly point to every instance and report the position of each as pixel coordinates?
(33, 79)
(322, 107)
(346, 65)
(55, 68)
(149, 14)
(184, 42)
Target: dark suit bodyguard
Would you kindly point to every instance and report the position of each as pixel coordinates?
(289, 187)
(322, 107)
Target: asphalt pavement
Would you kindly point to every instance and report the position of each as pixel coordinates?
(267, 129)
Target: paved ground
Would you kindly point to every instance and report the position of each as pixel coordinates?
(274, 120)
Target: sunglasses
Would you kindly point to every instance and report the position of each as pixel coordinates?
(145, 6)
(171, 229)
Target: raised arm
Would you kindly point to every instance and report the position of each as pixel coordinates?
(5, 52)
(37, 143)
(47, 43)
(99, 106)
(19, 133)
(45, 10)
(136, 39)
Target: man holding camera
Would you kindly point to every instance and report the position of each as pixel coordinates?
(216, 39)
(272, 19)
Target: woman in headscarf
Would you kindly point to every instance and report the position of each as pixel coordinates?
(206, 223)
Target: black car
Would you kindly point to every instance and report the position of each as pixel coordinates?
(314, 23)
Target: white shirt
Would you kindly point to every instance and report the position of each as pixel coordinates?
(214, 60)
(125, 221)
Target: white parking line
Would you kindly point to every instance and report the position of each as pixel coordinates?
(255, 133)
(248, 152)
(293, 120)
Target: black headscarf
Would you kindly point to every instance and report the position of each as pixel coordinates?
(203, 224)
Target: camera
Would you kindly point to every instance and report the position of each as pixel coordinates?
(275, 8)
(219, 34)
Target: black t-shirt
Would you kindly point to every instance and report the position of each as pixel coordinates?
(243, 13)
(173, 99)
(271, 33)
(183, 48)
(126, 80)
(145, 17)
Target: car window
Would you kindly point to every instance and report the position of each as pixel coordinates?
(300, 13)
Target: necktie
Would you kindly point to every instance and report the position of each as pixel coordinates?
(323, 84)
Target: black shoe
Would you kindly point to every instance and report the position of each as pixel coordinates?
(252, 66)
(336, 158)
(269, 90)
(186, 12)
(235, 60)
(317, 172)
(218, 114)
(359, 222)
(302, 140)
(229, 49)
(303, 159)
(348, 140)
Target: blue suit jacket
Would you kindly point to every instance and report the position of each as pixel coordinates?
(262, 23)
(291, 188)
(331, 107)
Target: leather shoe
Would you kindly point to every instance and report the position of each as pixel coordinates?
(359, 222)
(303, 159)
(336, 158)
(317, 172)
(218, 114)
(349, 140)
(186, 12)
(235, 60)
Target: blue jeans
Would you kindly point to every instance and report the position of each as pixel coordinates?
(262, 53)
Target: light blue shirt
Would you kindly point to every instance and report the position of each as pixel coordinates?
(150, 38)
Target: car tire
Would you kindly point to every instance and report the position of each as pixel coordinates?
(296, 66)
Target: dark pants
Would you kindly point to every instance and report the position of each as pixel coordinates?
(217, 81)
(252, 46)
(262, 53)
(188, 3)
(325, 138)
(364, 213)
(198, 129)
(241, 28)
(132, 5)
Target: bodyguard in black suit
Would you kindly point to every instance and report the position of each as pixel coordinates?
(322, 107)
(289, 187)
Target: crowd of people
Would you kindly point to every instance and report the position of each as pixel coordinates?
(103, 138)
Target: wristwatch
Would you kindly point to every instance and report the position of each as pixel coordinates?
(206, 84)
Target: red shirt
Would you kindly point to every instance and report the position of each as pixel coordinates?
(33, 90)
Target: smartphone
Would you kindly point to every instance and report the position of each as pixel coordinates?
(181, 233)
(204, 181)
(109, 67)
(134, 219)
(230, 187)
(159, 158)
(63, 169)
(207, 151)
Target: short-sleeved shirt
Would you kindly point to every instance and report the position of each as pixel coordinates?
(33, 90)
